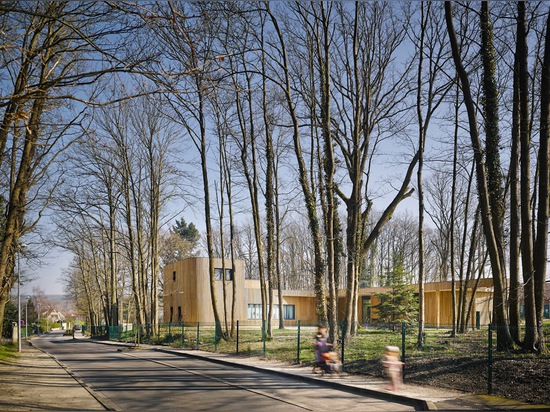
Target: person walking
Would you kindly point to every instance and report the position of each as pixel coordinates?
(393, 367)
(320, 346)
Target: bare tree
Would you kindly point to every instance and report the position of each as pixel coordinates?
(488, 215)
(284, 82)
(541, 242)
(186, 34)
(431, 50)
(54, 51)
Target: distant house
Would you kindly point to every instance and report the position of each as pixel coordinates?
(55, 316)
(187, 298)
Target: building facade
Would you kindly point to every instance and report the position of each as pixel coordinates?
(187, 298)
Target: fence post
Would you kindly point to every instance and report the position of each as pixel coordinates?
(237, 348)
(170, 332)
(182, 335)
(403, 335)
(490, 361)
(298, 345)
(343, 340)
(198, 334)
(158, 334)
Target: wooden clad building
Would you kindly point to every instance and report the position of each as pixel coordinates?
(187, 298)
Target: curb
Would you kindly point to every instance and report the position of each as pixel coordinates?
(418, 404)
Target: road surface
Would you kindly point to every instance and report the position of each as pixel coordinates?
(145, 379)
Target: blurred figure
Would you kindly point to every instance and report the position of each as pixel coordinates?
(320, 346)
(393, 367)
(332, 362)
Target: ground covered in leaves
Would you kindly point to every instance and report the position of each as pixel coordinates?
(515, 377)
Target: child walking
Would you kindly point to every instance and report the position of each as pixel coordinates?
(393, 366)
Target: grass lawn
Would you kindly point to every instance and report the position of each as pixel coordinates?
(8, 353)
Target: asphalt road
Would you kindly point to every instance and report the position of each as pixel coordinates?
(145, 379)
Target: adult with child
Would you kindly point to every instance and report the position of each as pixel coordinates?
(320, 346)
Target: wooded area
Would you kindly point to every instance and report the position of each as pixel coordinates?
(319, 142)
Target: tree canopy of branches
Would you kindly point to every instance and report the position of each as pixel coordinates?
(292, 131)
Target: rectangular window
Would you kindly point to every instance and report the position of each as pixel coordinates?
(289, 312)
(174, 275)
(254, 311)
(218, 274)
(228, 274)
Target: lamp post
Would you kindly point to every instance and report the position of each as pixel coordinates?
(26, 319)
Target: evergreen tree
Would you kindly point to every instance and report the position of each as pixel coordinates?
(399, 304)
(186, 231)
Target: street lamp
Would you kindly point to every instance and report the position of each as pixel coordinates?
(26, 319)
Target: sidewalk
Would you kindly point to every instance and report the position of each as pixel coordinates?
(35, 381)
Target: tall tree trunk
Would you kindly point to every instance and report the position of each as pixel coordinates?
(270, 204)
(515, 211)
(466, 273)
(421, 145)
(112, 246)
(492, 146)
(229, 189)
(310, 203)
(504, 339)
(221, 214)
(323, 43)
(207, 211)
(531, 337)
(453, 214)
(541, 242)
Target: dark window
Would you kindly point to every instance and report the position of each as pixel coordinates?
(289, 312)
(179, 313)
(218, 274)
(174, 275)
(228, 274)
